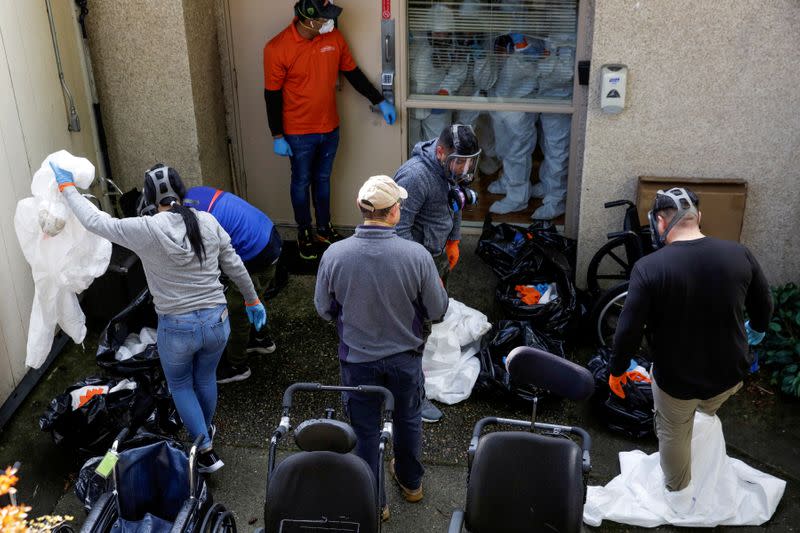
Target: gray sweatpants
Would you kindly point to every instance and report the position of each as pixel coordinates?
(674, 423)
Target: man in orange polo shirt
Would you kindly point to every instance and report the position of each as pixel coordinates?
(301, 66)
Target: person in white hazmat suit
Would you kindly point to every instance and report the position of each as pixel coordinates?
(476, 47)
(435, 69)
(555, 81)
(515, 131)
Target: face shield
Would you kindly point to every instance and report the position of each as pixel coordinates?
(460, 168)
(683, 205)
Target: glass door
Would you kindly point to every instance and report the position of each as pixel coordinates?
(506, 67)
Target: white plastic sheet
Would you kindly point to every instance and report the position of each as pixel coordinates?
(723, 491)
(64, 257)
(449, 361)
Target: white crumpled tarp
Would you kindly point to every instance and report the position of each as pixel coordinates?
(64, 257)
(449, 361)
(723, 490)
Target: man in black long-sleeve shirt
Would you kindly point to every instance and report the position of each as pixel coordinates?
(691, 296)
(301, 68)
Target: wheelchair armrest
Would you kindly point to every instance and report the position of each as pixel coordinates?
(456, 521)
(100, 517)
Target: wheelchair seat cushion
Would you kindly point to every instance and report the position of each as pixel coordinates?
(315, 485)
(521, 482)
(325, 435)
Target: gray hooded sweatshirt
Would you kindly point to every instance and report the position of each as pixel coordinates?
(426, 216)
(178, 282)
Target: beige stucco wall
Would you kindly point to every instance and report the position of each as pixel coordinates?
(159, 92)
(713, 91)
(206, 81)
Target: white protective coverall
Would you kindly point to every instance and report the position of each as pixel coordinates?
(434, 67)
(555, 81)
(515, 131)
(477, 44)
(64, 257)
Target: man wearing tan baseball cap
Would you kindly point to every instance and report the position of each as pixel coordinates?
(380, 289)
(377, 197)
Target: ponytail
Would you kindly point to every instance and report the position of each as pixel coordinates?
(192, 230)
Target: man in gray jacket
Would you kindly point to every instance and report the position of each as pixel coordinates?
(428, 216)
(380, 289)
(430, 176)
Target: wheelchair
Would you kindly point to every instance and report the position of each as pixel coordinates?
(613, 262)
(324, 487)
(523, 481)
(156, 488)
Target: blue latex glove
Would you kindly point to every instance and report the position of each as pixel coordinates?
(516, 38)
(257, 315)
(62, 176)
(753, 337)
(389, 112)
(281, 147)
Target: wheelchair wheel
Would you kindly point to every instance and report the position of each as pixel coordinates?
(609, 266)
(606, 312)
(218, 519)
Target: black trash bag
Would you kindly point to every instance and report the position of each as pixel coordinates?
(91, 485)
(632, 415)
(507, 335)
(138, 314)
(99, 415)
(499, 246)
(554, 317)
(508, 248)
(164, 419)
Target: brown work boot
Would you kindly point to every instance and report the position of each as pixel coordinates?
(385, 513)
(411, 496)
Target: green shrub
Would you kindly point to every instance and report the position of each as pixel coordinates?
(780, 350)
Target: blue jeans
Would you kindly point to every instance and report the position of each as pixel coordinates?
(402, 375)
(312, 163)
(190, 346)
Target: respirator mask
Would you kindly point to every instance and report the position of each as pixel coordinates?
(682, 203)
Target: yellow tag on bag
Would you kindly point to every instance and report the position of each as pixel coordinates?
(107, 464)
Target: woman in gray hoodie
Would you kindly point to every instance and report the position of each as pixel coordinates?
(182, 251)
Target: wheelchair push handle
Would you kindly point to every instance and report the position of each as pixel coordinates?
(121, 436)
(617, 203)
(388, 399)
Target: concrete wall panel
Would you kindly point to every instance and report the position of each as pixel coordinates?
(712, 92)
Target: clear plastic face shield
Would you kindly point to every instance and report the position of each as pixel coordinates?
(460, 168)
(683, 205)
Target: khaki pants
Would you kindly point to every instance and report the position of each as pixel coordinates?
(674, 423)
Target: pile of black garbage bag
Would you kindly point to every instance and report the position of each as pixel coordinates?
(531, 255)
(632, 415)
(131, 394)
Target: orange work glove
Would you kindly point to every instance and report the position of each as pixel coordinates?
(451, 249)
(616, 383)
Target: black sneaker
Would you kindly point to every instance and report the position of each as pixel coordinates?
(208, 462)
(305, 243)
(261, 345)
(328, 235)
(227, 373)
